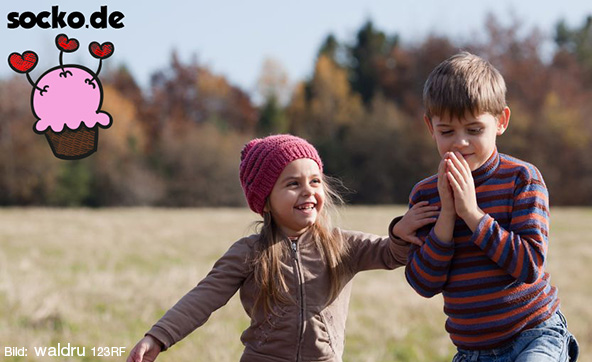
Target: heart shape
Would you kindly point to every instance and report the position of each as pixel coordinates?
(102, 51)
(65, 44)
(22, 63)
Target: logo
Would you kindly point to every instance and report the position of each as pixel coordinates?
(55, 19)
(67, 99)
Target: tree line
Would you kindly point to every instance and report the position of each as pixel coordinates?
(178, 142)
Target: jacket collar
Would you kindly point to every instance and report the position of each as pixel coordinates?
(305, 237)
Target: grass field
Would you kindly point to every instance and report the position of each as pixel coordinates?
(101, 278)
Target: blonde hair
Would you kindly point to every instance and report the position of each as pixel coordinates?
(461, 83)
(272, 248)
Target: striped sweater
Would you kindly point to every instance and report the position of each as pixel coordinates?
(493, 280)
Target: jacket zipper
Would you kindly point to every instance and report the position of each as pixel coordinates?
(301, 317)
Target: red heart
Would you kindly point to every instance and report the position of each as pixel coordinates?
(102, 51)
(65, 44)
(22, 63)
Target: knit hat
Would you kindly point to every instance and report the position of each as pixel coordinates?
(264, 159)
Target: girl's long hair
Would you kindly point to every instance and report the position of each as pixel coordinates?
(273, 248)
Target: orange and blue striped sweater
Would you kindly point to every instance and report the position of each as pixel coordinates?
(493, 280)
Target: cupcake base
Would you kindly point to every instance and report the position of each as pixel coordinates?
(73, 144)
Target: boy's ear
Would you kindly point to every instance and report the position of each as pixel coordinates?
(428, 123)
(503, 121)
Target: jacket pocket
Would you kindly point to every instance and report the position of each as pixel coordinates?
(316, 341)
(264, 330)
(329, 328)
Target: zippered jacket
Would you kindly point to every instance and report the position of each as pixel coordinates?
(310, 329)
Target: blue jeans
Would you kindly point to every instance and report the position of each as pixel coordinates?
(549, 341)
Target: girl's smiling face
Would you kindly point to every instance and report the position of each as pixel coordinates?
(297, 197)
(473, 137)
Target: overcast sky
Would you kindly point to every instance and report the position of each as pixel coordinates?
(233, 38)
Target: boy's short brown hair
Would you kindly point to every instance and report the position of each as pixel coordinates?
(461, 83)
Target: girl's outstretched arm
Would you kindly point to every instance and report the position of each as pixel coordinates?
(212, 292)
(145, 350)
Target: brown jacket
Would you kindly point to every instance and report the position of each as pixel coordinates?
(311, 330)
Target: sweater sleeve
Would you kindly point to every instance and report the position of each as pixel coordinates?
(213, 292)
(521, 249)
(369, 251)
(428, 265)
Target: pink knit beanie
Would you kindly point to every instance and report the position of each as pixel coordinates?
(264, 159)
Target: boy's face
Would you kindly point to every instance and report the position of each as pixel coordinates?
(473, 137)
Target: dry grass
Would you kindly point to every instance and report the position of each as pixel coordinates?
(102, 277)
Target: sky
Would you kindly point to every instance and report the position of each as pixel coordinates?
(233, 38)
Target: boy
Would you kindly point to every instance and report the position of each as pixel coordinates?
(486, 252)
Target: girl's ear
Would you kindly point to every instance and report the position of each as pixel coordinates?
(503, 120)
(267, 207)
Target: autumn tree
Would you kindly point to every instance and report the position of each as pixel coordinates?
(28, 169)
(273, 88)
(202, 123)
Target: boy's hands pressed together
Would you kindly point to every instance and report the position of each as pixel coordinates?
(444, 227)
(419, 215)
(444, 190)
(458, 174)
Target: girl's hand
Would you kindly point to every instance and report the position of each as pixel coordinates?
(463, 187)
(145, 351)
(419, 215)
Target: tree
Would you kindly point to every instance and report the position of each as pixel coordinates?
(323, 107)
(577, 42)
(192, 93)
(371, 46)
(403, 72)
(272, 118)
(28, 169)
(121, 174)
(274, 89)
(332, 49)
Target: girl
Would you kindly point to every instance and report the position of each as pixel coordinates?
(294, 276)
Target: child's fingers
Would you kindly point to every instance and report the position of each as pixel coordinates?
(426, 209)
(453, 183)
(422, 207)
(415, 240)
(442, 167)
(456, 161)
(137, 353)
(131, 357)
(429, 214)
(425, 221)
(443, 178)
(457, 174)
(420, 204)
(464, 163)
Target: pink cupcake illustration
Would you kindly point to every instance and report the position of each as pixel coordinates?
(67, 99)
